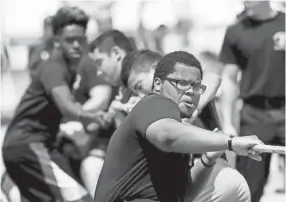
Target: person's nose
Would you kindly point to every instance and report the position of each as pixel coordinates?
(99, 72)
(190, 92)
(76, 44)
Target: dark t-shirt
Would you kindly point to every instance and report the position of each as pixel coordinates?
(136, 169)
(37, 117)
(258, 48)
(86, 79)
(40, 52)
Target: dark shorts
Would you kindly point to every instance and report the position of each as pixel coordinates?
(40, 174)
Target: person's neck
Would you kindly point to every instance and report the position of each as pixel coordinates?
(72, 65)
(264, 14)
(118, 82)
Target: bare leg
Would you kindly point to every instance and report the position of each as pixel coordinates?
(90, 171)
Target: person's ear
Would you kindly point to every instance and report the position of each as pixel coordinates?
(57, 44)
(117, 52)
(158, 84)
(57, 41)
(153, 67)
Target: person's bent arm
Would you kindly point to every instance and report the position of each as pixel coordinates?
(158, 119)
(200, 174)
(172, 136)
(100, 96)
(70, 108)
(229, 96)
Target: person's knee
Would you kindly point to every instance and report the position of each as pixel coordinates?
(91, 163)
(15, 195)
(230, 185)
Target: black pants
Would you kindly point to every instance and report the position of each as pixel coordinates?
(269, 126)
(42, 175)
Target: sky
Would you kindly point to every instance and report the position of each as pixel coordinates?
(25, 17)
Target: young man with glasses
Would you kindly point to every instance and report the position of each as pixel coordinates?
(148, 156)
(137, 74)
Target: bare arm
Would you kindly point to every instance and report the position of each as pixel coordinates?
(200, 174)
(212, 81)
(172, 136)
(100, 96)
(230, 93)
(70, 108)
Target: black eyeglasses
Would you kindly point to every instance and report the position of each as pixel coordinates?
(184, 85)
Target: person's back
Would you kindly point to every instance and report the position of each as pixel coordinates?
(148, 172)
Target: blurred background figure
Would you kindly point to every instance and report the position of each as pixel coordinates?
(42, 49)
(255, 45)
(159, 35)
(5, 60)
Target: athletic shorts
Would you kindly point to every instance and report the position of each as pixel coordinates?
(41, 175)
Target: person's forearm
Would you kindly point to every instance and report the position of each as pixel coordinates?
(173, 136)
(229, 97)
(200, 176)
(196, 140)
(212, 81)
(75, 112)
(94, 104)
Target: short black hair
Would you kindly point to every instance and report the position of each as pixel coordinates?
(111, 38)
(69, 15)
(167, 64)
(138, 61)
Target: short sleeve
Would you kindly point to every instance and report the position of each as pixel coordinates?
(228, 50)
(152, 109)
(90, 75)
(51, 76)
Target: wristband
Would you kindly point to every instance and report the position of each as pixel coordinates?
(204, 163)
(229, 143)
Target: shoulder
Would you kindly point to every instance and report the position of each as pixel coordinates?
(86, 65)
(53, 65)
(281, 17)
(156, 102)
(237, 26)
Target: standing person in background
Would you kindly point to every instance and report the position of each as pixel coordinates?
(5, 59)
(28, 149)
(256, 46)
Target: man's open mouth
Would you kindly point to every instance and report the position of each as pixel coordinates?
(188, 104)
